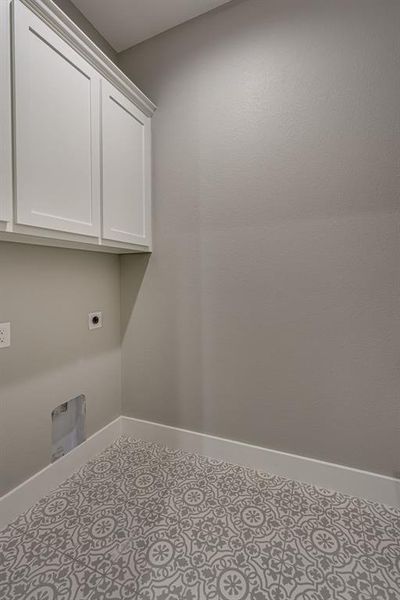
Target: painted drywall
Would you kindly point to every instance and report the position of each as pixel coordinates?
(46, 294)
(268, 311)
(82, 22)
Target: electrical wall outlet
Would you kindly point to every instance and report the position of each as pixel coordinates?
(5, 335)
(95, 320)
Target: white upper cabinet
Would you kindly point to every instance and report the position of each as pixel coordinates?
(56, 130)
(5, 115)
(75, 158)
(126, 159)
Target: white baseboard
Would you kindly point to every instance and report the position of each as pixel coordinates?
(363, 484)
(30, 491)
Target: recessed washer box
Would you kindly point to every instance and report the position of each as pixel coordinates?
(68, 426)
(5, 335)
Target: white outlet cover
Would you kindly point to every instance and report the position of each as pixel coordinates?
(95, 320)
(5, 335)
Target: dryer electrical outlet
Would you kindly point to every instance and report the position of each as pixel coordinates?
(95, 320)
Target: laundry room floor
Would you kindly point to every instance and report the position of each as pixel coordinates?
(147, 522)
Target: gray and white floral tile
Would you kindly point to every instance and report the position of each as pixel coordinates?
(382, 547)
(91, 514)
(32, 570)
(142, 521)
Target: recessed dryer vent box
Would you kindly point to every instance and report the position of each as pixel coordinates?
(68, 426)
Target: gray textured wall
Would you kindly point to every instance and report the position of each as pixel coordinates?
(269, 309)
(47, 294)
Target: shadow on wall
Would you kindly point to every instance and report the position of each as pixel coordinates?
(46, 294)
(135, 265)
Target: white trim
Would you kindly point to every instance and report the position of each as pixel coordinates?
(5, 114)
(30, 491)
(66, 28)
(348, 480)
(46, 237)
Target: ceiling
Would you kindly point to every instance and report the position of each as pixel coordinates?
(124, 23)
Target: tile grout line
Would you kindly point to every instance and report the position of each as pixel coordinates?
(359, 500)
(119, 553)
(146, 521)
(62, 552)
(167, 492)
(285, 537)
(55, 548)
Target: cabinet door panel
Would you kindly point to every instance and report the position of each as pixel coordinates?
(125, 169)
(5, 114)
(57, 130)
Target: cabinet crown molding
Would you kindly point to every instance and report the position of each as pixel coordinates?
(51, 14)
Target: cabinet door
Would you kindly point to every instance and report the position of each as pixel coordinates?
(125, 169)
(56, 130)
(5, 114)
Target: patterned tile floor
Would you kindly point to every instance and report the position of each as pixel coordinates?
(144, 522)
